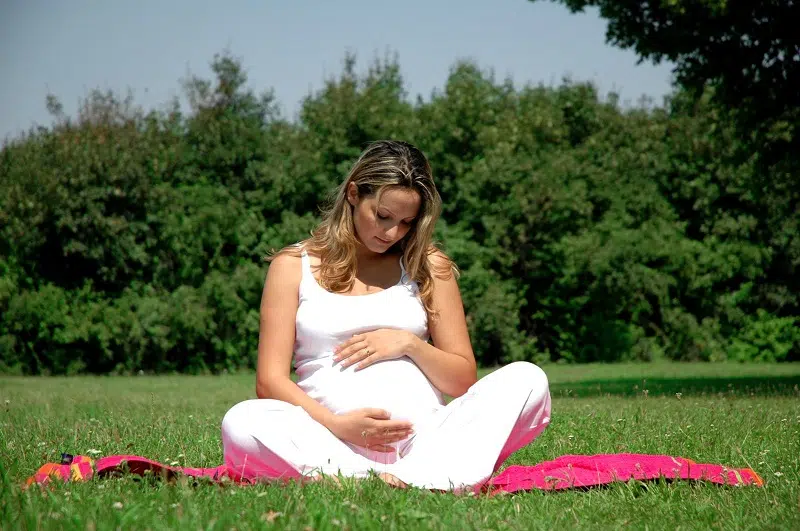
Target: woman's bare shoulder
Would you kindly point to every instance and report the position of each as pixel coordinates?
(441, 265)
(285, 266)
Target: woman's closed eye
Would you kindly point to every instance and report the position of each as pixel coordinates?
(383, 217)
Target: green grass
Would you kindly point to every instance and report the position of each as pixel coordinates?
(736, 415)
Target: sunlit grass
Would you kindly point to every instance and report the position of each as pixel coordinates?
(737, 415)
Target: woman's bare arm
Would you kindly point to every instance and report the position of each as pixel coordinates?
(449, 363)
(279, 303)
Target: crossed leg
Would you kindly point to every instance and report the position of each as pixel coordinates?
(475, 433)
(463, 445)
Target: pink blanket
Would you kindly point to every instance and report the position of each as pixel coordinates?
(576, 471)
(565, 472)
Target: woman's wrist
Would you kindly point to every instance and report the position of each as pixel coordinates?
(413, 344)
(329, 419)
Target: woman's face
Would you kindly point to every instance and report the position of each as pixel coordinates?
(381, 224)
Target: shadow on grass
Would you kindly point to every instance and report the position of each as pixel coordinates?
(729, 386)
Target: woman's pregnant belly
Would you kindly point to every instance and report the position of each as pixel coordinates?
(397, 386)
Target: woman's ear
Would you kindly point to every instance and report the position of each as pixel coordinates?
(352, 193)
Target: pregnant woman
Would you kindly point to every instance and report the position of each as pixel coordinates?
(369, 312)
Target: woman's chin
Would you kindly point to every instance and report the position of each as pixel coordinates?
(379, 246)
(376, 245)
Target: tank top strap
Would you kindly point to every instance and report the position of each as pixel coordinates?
(307, 274)
(403, 274)
(305, 260)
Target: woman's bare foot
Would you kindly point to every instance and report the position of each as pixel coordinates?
(392, 480)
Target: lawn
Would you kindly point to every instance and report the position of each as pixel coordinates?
(737, 415)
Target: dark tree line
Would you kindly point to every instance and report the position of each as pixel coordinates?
(585, 231)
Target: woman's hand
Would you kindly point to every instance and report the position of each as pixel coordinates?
(370, 428)
(365, 349)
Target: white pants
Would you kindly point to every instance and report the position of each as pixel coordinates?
(461, 446)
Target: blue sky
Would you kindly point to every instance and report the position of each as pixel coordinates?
(69, 48)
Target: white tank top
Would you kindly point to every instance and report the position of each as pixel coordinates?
(325, 320)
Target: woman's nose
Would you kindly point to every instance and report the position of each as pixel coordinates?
(391, 232)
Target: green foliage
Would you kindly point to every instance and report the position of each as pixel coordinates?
(766, 338)
(746, 50)
(133, 241)
(733, 136)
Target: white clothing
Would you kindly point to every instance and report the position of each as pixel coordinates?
(325, 320)
(454, 446)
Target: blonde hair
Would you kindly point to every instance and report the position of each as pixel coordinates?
(384, 164)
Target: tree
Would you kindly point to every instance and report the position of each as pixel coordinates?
(739, 61)
(748, 51)
(584, 231)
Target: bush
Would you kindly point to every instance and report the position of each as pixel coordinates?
(584, 231)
